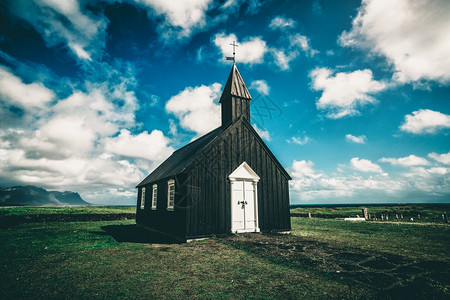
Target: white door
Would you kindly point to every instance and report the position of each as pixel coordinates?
(243, 206)
(249, 198)
(244, 199)
(238, 208)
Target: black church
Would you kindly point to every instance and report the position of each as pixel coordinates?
(227, 181)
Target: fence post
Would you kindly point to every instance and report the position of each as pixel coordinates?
(364, 211)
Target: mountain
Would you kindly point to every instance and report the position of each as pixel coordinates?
(35, 196)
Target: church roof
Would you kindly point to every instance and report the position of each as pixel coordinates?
(181, 158)
(235, 86)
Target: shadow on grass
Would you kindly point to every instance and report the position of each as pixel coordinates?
(136, 234)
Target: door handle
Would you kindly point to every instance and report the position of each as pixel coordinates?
(243, 203)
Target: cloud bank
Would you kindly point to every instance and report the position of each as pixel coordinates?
(82, 142)
(343, 94)
(411, 35)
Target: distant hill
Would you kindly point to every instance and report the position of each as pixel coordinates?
(35, 196)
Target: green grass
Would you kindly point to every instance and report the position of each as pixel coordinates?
(321, 259)
(427, 212)
(24, 210)
(431, 242)
(78, 260)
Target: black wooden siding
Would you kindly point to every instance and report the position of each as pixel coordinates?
(233, 108)
(208, 196)
(172, 222)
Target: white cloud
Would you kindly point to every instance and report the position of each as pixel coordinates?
(407, 161)
(299, 140)
(412, 35)
(230, 4)
(309, 184)
(356, 139)
(253, 49)
(417, 184)
(302, 42)
(281, 23)
(78, 122)
(153, 146)
(250, 51)
(425, 121)
(297, 43)
(365, 165)
(197, 108)
(304, 169)
(344, 93)
(281, 59)
(15, 92)
(261, 86)
(79, 51)
(65, 22)
(81, 144)
(72, 173)
(264, 134)
(186, 15)
(432, 180)
(442, 158)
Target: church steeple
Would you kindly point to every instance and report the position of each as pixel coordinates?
(235, 99)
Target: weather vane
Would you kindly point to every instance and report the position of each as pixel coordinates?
(234, 52)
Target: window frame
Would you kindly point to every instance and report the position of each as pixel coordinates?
(170, 183)
(143, 197)
(154, 196)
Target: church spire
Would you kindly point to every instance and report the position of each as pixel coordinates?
(235, 99)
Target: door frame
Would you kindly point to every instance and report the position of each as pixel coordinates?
(245, 173)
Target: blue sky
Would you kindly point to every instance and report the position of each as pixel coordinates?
(352, 97)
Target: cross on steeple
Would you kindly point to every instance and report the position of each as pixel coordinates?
(234, 52)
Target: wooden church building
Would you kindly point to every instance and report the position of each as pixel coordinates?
(227, 181)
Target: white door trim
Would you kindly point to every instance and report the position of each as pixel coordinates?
(244, 173)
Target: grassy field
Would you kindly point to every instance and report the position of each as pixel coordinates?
(419, 212)
(321, 258)
(29, 210)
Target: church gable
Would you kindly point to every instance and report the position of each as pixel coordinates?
(236, 144)
(244, 171)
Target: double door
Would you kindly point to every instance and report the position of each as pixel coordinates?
(244, 214)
